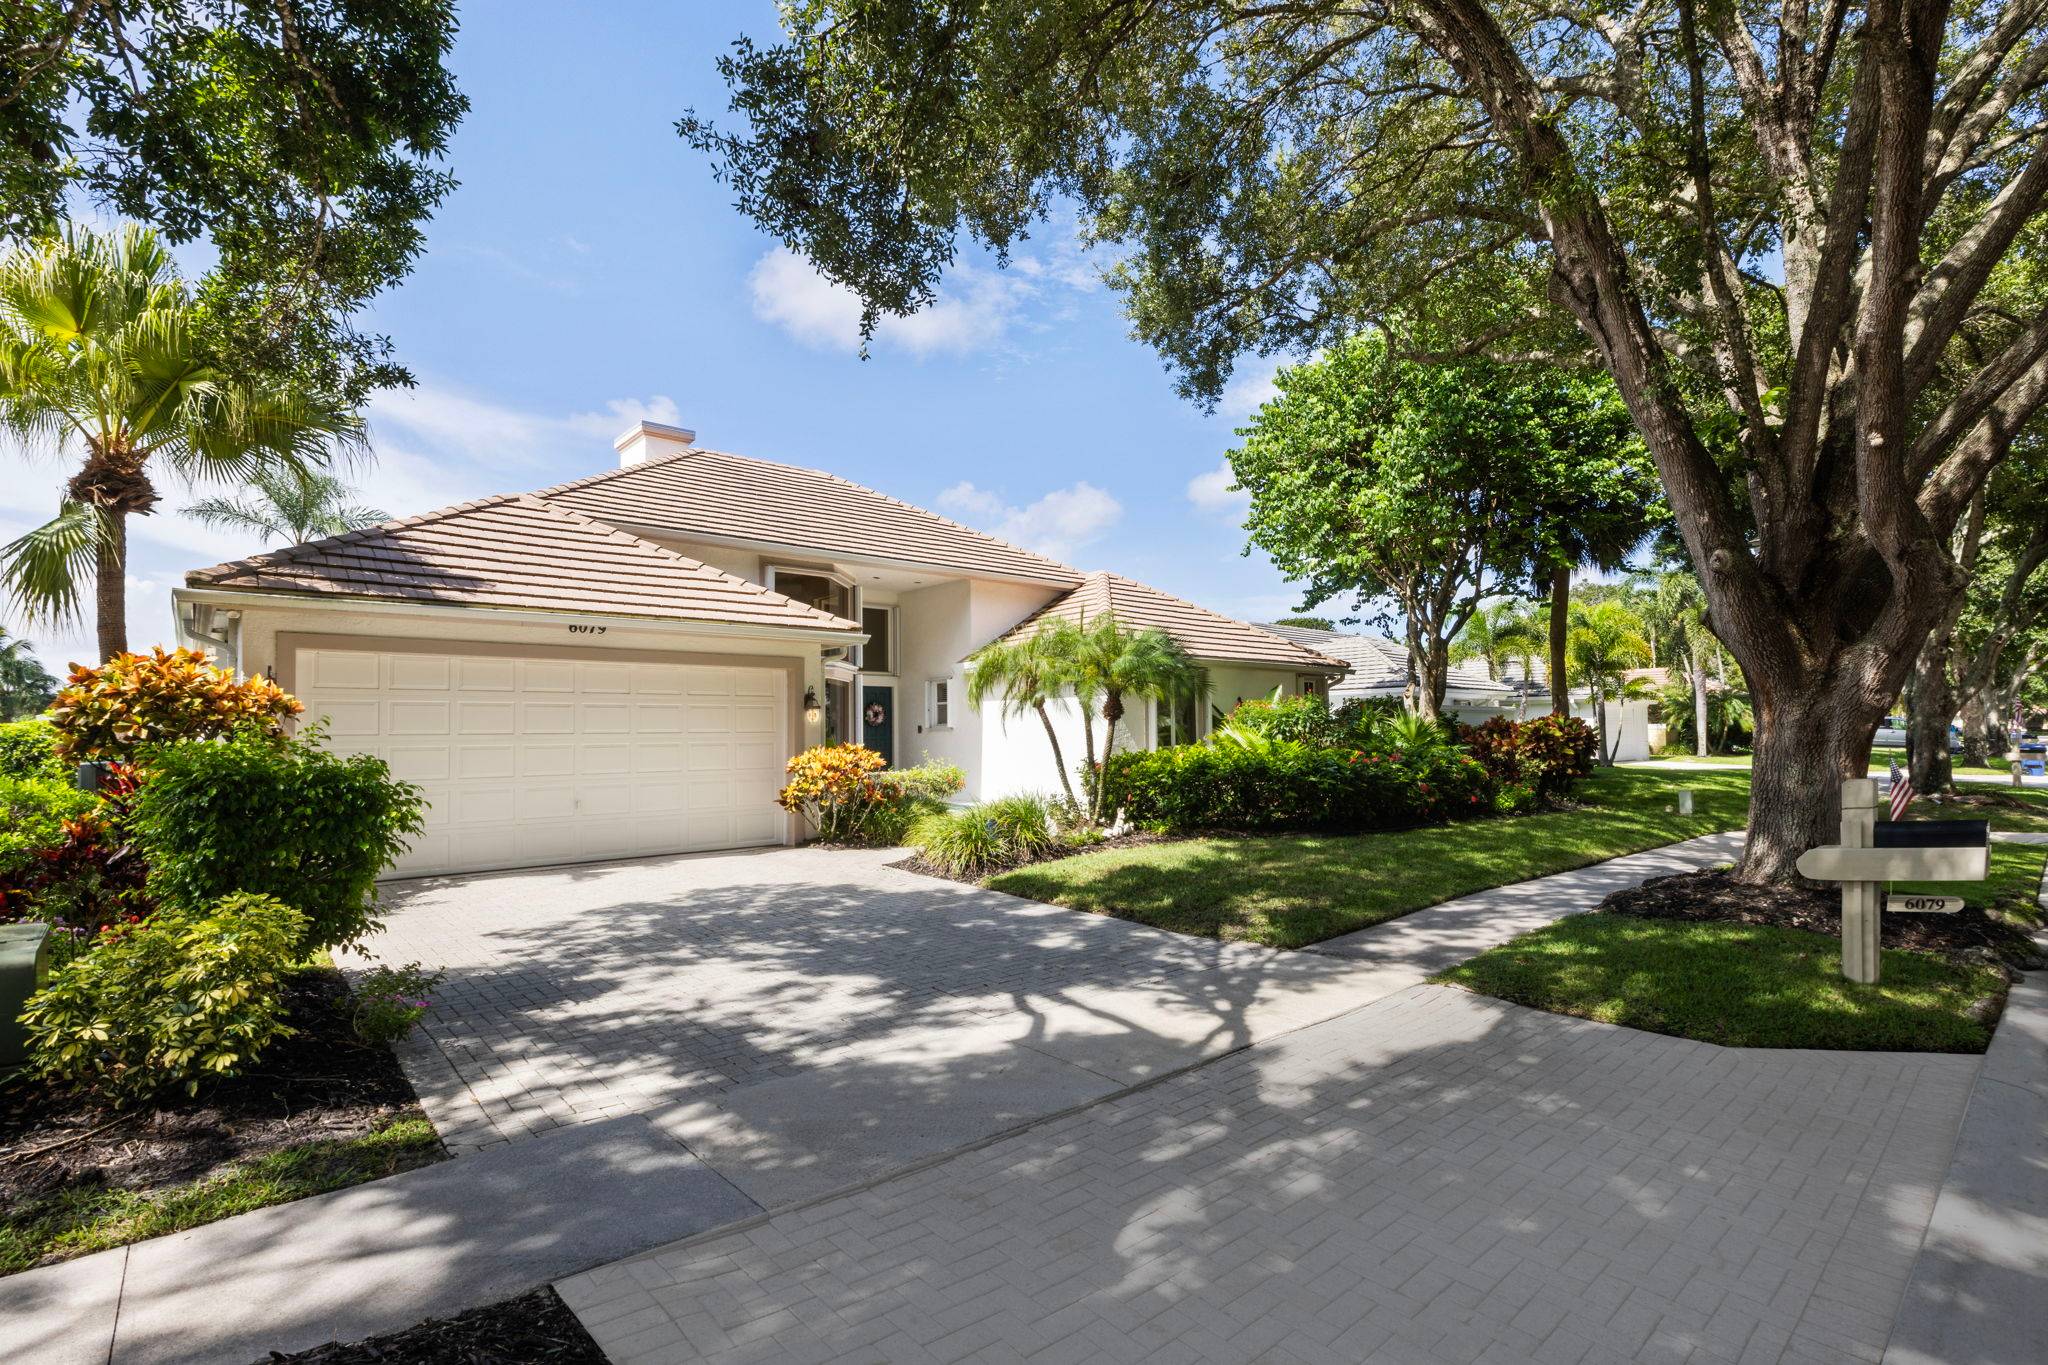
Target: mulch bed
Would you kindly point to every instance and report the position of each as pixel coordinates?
(1967, 936)
(533, 1329)
(319, 1083)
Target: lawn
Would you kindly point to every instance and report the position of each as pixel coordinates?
(79, 1220)
(1285, 891)
(1739, 985)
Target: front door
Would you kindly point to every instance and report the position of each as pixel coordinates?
(878, 720)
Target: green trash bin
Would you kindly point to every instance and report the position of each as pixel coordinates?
(24, 965)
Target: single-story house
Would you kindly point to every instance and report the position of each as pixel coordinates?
(1379, 668)
(621, 665)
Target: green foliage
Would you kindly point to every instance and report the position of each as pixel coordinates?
(85, 1218)
(1415, 734)
(103, 341)
(1248, 782)
(297, 140)
(288, 505)
(33, 813)
(185, 996)
(908, 795)
(1305, 719)
(282, 818)
(1535, 761)
(1307, 622)
(985, 838)
(25, 685)
(28, 748)
(134, 701)
(391, 1001)
(1736, 985)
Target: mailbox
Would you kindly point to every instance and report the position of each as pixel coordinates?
(24, 965)
(1931, 834)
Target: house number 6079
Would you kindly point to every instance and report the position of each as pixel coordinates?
(586, 630)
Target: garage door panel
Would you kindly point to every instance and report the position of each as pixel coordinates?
(532, 761)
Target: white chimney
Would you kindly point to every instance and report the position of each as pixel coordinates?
(648, 440)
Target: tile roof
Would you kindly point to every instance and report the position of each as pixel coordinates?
(515, 551)
(1379, 666)
(717, 495)
(1203, 633)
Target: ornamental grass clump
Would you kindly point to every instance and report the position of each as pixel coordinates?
(990, 837)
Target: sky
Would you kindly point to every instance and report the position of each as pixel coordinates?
(589, 272)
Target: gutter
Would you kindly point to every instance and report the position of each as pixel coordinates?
(234, 599)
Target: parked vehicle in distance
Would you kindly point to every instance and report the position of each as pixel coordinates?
(1893, 734)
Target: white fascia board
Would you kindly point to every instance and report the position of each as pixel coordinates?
(647, 530)
(291, 601)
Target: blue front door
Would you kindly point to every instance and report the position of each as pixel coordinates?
(878, 720)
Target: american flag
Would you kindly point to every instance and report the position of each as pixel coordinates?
(1902, 790)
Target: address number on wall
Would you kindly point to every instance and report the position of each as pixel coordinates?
(586, 630)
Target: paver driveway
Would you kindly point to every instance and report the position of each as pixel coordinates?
(806, 1018)
(1433, 1178)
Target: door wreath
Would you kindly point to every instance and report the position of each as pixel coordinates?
(875, 715)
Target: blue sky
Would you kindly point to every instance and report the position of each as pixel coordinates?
(589, 270)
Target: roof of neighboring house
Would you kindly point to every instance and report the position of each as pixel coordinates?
(516, 551)
(1202, 633)
(1379, 666)
(716, 495)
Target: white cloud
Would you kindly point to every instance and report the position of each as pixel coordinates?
(1250, 389)
(974, 312)
(1212, 492)
(1057, 524)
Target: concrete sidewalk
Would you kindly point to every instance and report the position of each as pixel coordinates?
(370, 1259)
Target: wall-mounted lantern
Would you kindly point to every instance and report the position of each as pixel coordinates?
(813, 713)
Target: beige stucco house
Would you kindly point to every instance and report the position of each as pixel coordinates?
(621, 665)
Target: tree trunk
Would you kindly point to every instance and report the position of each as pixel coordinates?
(1433, 680)
(1808, 739)
(1560, 620)
(1112, 712)
(1600, 727)
(110, 586)
(1934, 706)
(1699, 704)
(1059, 760)
(1979, 722)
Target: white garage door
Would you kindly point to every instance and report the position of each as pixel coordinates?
(526, 762)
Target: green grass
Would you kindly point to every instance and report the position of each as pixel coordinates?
(1881, 759)
(77, 1221)
(1289, 890)
(2013, 886)
(1740, 985)
(2019, 811)
(1687, 756)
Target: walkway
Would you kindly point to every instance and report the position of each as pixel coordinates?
(1435, 1178)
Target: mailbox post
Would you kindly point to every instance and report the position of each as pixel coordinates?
(1921, 851)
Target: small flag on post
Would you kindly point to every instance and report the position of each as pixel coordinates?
(1902, 790)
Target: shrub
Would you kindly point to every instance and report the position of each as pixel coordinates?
(986, 838)
(181, 997)
(1275, 785)
(28, 748)
(829, 785)
(33, 815)
(136, 700)
(1306, 720)
(391, 1001)
(282, 818)
(906, 796)
(1547, 754)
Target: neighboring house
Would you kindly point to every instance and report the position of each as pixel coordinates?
(621, 665)
(1379, 668)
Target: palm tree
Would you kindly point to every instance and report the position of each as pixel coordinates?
(1109, 666)
(26, 687)
(1024, 675)
(102, 357)
(1607, 641)
(1499, 633)
(1682, 607)
(290, 504)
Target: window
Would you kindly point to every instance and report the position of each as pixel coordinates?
(813, 589)
(1173, 722)
(878, 655)
(838, 712)
(938, 703)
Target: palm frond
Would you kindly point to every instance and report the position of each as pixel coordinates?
(44, 573)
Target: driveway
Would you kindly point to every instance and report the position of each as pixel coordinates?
(805, 1019)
